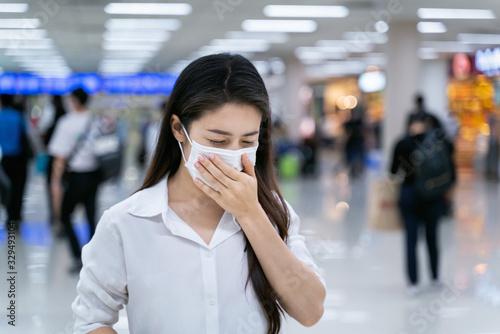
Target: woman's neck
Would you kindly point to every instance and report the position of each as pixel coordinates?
(181, 188)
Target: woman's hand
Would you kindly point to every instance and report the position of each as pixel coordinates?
(237, 191)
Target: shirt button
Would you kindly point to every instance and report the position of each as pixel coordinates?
(208, 253)
(211, 301)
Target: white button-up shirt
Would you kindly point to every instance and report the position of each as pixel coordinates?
(145, 257)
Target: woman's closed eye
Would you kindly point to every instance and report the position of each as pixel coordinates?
(221, 142)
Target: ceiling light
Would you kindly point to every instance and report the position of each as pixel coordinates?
(52, 74)
(42, 65)
(325, 49)
(279, 25)
(20, 34)
(27, 52)
(366, 36)
(129, 54)
(447, 46)
(277, 65)
(235, 48)
(32, 58)
(19, 23)
(378, 61)
(348, 45)
(305, 11)
(47, 69)
(119, 70)
(112, 62)
(381, 27)
(149, 8)
(14, 8)
(317, 55)
(239, 42)
(56, 75)
(431, 27)
(427, 53)
(336, 68)
(271, 37)
(141, 35)
(42, 62)
(25, 43)
(131, 46)
(453, 13)
(143, 24)
(29, 46)
(110, 65)
(479, 38)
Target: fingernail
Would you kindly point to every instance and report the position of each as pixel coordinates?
(211, 156)
(201, 157)
(197, 164)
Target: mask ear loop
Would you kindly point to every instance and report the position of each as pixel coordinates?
(186, 133)
(180, 145)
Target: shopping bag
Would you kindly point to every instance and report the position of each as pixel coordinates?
(383, 210)
(42, 163)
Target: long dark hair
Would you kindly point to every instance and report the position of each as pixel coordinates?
(205, 85)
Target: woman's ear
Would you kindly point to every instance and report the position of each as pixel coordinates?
(176, 127)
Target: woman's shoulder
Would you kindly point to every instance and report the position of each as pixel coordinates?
(119, 211)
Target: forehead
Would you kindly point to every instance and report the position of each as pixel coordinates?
(234, 118)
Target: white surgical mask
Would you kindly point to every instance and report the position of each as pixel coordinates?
(231, 157)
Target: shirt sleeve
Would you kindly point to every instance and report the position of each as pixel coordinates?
(395, 159)
(62, 142)
(296, 243)
(102, 288)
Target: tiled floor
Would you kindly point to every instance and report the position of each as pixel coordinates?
(363, 268)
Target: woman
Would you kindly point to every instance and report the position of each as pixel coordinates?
(187, 256)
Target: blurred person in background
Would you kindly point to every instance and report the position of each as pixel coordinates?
(493, 154)
(59, 111)
(446, 133)
(452, 126)
(14, 144)
(70, 147)
(355, 141)
(409, 159)
(421, 111)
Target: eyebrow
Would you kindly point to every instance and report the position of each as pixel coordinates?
(230, 134)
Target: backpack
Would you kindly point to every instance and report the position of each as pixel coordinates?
(107, 147)
(434, 168)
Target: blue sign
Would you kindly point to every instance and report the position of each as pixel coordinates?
(92, 83)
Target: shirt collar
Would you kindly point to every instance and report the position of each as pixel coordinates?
(153, 201)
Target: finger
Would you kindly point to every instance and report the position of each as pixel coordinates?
(248, 166)
(206, 189)
(228, 170)
(211, 173)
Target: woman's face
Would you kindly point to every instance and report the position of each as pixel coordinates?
(232, 127)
